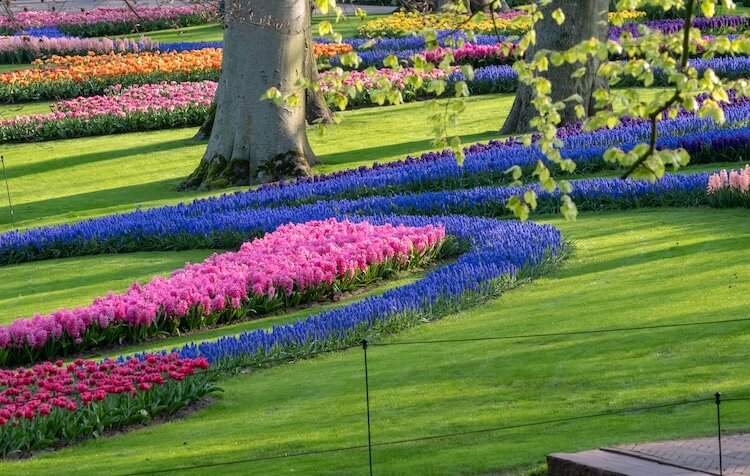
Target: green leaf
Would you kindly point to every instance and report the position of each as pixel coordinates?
(565, 186)
(708, 7)
(341, 101)
(391, 61)
(515, 171)
(579, 73)
(530, 198)
(325, 28)
(568, 208)
(558, 16)
(462, 89)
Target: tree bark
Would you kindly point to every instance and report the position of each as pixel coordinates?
(316, 107)
(253, 140)
(584, 19)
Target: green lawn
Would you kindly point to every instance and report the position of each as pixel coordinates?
(68, 180)
(631, 268)
(347, 27)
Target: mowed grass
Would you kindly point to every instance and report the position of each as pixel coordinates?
(69, 180)
(45, 286)
(347, 27)
(633, 268)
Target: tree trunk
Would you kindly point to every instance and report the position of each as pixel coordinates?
(253, 140)
(584, 19)
(204, 131)
(316, 107)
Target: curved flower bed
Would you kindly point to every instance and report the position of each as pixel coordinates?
(39, 404)
(54, 402)
(25, 49)
(292, 265)
(107, 21)
(500, 253)
(229, 220)
(135, 108)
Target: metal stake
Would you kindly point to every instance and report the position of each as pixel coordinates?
(718, 426)
(7, 189)
(367, 396)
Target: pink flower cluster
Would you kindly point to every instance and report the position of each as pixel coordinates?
(119, 101)
(38, 46)
(294, 258)
(38, 19)
(328, 78)
(471, 52)
(26, 393)
(738, 181)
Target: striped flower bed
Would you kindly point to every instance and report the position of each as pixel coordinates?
(25, 49)
(229, 220)
(294, 264)
(130, 109)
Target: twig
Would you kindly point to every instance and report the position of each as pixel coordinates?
(654, 116)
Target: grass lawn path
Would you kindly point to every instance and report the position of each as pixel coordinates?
(640, 267)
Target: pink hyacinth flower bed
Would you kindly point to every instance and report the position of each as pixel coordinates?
(295, 264)
(43, 404)
(331, 83)
(130, 109)
(121, 101)
(736, 180)
(473, 53)
(729, 189)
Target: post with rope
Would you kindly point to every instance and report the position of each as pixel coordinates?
(7, 189)
(367, 398)
(718, 427)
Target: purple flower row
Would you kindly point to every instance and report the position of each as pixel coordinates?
(39, 19)
(25, 49)
(724, 24)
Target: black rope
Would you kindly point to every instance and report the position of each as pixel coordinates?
(432, 437)
(562, 334)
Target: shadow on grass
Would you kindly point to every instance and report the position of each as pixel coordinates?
(17, 170)
(47, 280)
(72, 206)
(401, 149)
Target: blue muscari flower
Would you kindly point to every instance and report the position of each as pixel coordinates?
(189, 46)
(246, 214)
(48, 31)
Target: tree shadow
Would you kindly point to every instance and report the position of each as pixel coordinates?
(17, 170)
(400, 149)
(71, 207)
